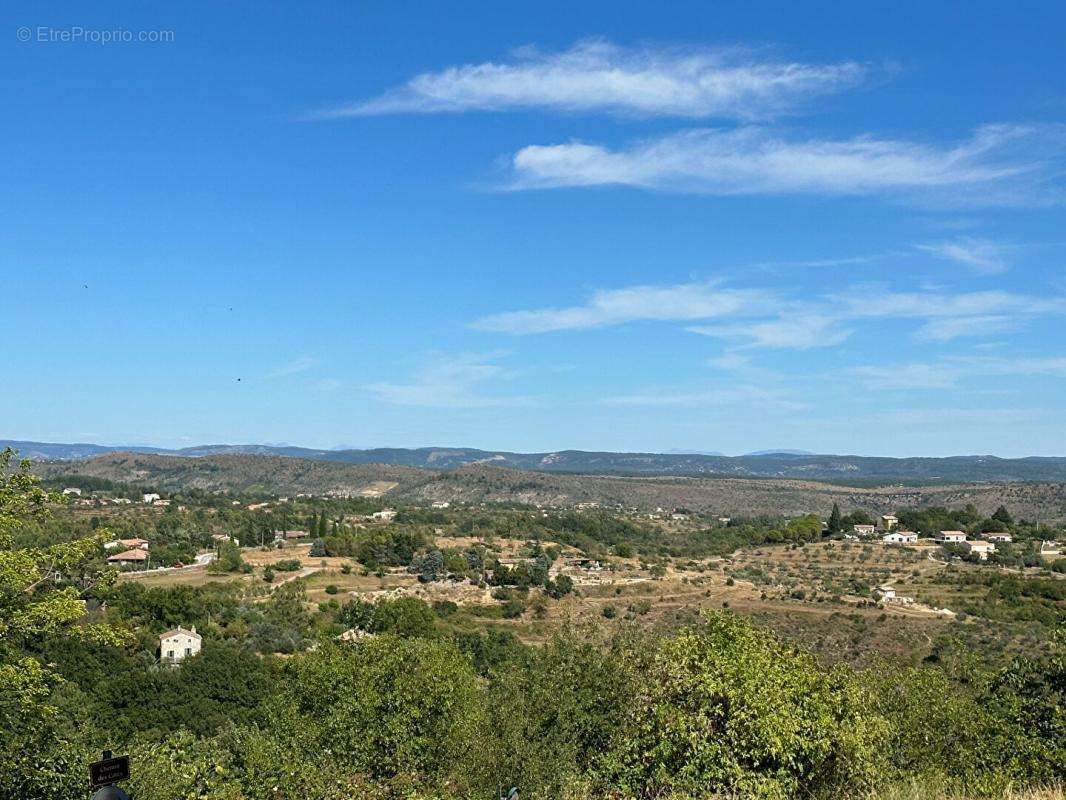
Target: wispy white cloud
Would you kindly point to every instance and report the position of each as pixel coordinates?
(960, 416)
(730, 362)
(906, 376)
(946, 329)
(763, 318)
(982, 255)
(948, 373)
(686, 301)
(294, 367)
(800, 332)
(875, 302)
(999, 164)
(717, 397)
(596, 75)
(465, 380)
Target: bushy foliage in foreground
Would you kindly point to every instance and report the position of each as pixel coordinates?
(723, 708)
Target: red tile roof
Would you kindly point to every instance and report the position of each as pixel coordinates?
(129, 555)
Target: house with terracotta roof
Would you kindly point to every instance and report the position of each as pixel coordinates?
(135, 556)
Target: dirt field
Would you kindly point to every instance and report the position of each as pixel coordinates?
(817, 595)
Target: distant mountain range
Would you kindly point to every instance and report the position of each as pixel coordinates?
(838, 468)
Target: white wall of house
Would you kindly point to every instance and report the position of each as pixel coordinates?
(178, 645)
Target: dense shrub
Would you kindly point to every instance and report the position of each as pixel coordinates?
(724, 707)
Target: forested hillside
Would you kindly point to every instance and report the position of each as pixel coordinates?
(481, 483)
(840, 468)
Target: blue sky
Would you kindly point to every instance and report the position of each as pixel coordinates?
(601, 226)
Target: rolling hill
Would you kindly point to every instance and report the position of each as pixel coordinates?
(478, 483)
(863, 470)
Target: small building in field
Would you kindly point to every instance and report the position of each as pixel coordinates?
(999, 537)
(951, 537)
(900, 537)
(864, 530)
(71, 490)
(441, 504)
(888, 522)
(135, 556)
(386, 514)
(979, 549)
(885, 593)
(178, 644)
(149, 497)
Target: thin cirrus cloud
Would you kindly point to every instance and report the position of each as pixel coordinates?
(760, 318)
(998, 164)
(466, 380)
(294, 367)
(800, 332)
(724, 397)
(686, 301)
(981, 255)
(598, 76)
(944, 330)
(948, 373)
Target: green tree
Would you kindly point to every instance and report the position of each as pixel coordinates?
(835, 524)
(726, 708)
(1002, 515)
(393, 707)
(41, 600)
(228, 559)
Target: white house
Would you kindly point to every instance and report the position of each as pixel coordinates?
(885, 593)
(999, 537)
(150, 497)
(441, 504)
(864, 530)
(900, 537)
(951, 537)
(979, 549)
(72, 490)
(179, 644)
(386, 515)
